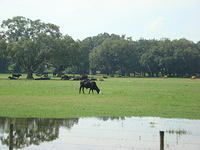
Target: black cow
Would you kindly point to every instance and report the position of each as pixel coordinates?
(88, 84)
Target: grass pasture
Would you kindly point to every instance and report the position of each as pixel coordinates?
(171, 97)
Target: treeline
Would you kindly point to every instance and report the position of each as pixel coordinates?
(31, 46)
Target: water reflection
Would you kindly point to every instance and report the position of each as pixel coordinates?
(109, 133)
(26, 132)
(178, 132)
(111, 118)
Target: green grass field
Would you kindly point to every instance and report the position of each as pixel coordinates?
(171, 97)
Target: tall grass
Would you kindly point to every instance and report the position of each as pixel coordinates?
(171, 97)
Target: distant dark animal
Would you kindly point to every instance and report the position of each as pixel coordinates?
(105, 77)
(12, 78)
(93, 79)
(76, 78)
(88, 84)
(65, 77)
(16, 75)
(43, 78)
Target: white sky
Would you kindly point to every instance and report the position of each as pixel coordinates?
(147, 19)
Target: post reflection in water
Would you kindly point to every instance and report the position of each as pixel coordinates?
(11, 137)
(109, 133)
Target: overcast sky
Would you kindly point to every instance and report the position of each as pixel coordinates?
(147, 19)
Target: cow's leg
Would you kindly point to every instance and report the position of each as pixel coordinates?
(80, 89)
(92, 91)
(89, 91)
(83, 90)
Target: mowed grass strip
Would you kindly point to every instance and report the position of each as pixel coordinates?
(177, 98)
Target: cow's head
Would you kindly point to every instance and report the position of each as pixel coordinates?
(98, 90)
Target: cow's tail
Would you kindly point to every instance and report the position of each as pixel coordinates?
(80, 88)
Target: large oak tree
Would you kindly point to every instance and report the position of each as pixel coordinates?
(29, 41)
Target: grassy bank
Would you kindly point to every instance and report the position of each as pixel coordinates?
(178, 98)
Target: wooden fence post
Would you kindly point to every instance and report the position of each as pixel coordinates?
(161, 140)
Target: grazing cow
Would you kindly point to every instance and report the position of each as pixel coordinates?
(88, 84)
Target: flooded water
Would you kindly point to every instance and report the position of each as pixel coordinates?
(103, 133)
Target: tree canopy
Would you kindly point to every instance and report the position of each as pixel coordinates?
(27, 45)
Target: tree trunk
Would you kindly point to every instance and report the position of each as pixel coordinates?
(156, 74)
(128, 74)
(29, 75)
